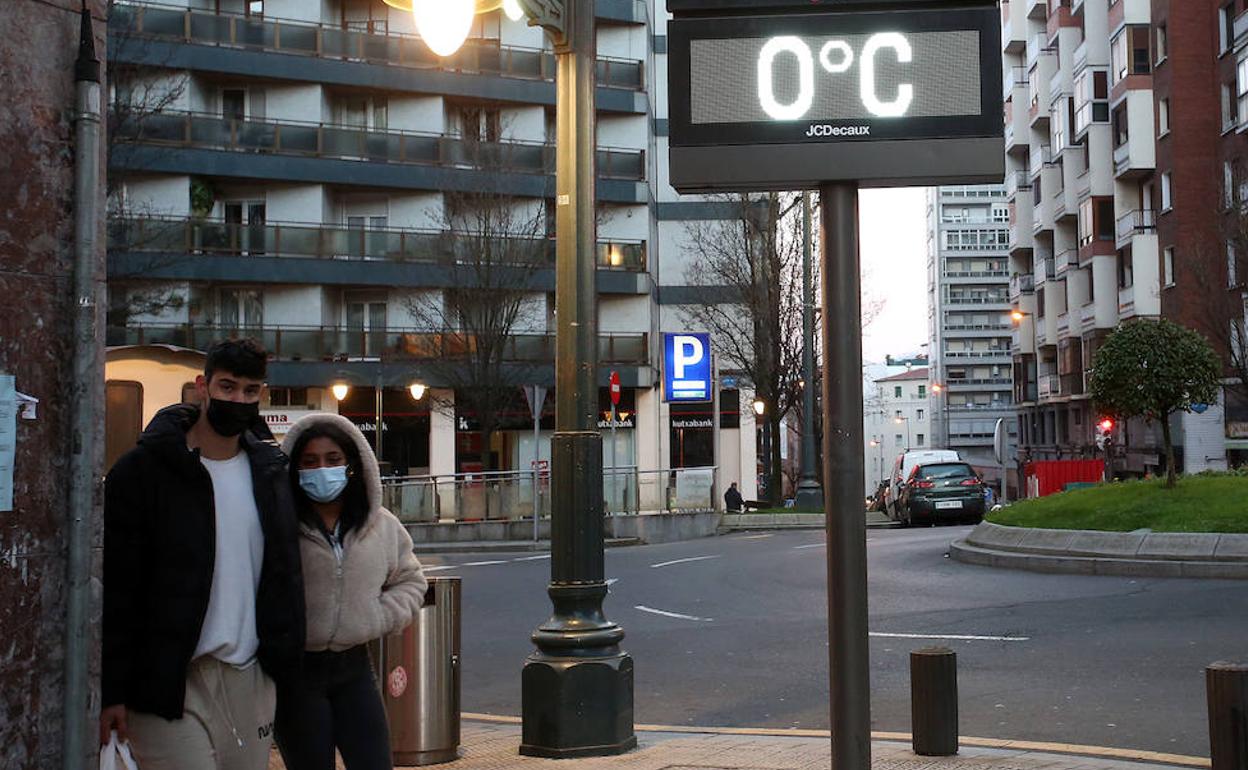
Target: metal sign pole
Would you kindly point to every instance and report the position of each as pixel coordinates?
(843, 472)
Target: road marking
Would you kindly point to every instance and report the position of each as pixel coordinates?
(666, 614)
(439, 568)
(683, 561)
(539, 557)
(1110, 752)
(754, 537)
(953, 637)
(809, 545)
(481, 563)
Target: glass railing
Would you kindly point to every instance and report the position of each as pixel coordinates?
(291, 239)
(327, 343)
(375, 44)
(323, 140)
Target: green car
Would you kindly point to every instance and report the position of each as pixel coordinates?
(940, 492)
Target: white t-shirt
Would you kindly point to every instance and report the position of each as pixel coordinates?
(229, 630)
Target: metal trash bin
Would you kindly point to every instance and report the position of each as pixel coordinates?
(419, 679)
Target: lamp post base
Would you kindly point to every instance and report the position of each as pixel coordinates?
(577, 706)
(809, 496)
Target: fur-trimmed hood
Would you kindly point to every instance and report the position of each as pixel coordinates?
(371, 471)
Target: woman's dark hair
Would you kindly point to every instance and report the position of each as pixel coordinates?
(355, 504)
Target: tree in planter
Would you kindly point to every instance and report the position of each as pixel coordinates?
(1153, 369)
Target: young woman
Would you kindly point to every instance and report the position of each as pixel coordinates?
(362, 581)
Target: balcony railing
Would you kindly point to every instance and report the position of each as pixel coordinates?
(323, 140)
(1022, 284)
(1064, 261)
(1134, 222)
(317, 241)
(1041, 156)
(976, 274)
(129, 21)
(1003, 353)
(990, 300)
(330, 343)
(1050, 385)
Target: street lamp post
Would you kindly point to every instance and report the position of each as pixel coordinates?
(577, 686)
(899, 420)
(809, 496)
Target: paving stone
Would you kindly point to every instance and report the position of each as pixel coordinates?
(1232, 547)
(1046, 540)
(1121, 544)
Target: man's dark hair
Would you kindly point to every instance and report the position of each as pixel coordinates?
(244, 357)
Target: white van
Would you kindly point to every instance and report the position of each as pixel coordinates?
(905, 464)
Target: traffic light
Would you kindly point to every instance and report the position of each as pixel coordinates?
(1104, 432)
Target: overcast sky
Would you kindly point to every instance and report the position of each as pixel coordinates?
(894, 269)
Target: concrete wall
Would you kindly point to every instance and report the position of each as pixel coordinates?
(36, 250)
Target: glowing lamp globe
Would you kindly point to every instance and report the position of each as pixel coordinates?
(340, 390)
(513, 10)
(444, 24)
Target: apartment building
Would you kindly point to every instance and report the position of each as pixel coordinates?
(1112, 138)
(969, 319)
(310, 173)
(897, 416)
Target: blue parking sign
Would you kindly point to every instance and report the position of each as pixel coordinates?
(686, 367)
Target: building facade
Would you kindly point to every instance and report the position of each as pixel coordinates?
(897, 416)
(969, 320)
(313, 175)
(1115, 118)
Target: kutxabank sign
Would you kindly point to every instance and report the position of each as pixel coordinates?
(789, 100)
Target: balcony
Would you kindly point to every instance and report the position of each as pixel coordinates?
(341, 344)
(1065, 261)
(1021, 284)
(963, 384)
(1041, 156)
(1049, 386)
(1087, 317)
(1135, 223)
(1013, 27)
(965, 355)
(131, 21)
(1000, 301)
(1016, 182)
(1045, 270)
(1037, 9)
(1134, 159)
(176, 142)
(206, 237)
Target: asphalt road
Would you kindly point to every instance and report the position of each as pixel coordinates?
(731, 631)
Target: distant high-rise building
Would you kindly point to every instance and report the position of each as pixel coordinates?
(969, 319)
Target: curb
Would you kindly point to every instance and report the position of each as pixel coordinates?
(1101, 752)
(504, 546)
(1124, 554)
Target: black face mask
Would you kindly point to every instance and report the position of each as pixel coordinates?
(230, 418)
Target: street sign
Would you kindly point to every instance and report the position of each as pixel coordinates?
(794, 99)
(615, 388)
(686, 367)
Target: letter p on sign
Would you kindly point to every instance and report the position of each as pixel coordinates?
(687, 367)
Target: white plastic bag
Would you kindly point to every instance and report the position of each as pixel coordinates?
(116, 755)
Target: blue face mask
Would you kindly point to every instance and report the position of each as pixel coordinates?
(323, 484)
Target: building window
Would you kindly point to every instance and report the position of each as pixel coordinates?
(1241, 88)
(897, 439)
(1162, 43)
(288, 396)
(1230, 106)
(1091, 103)
(898, 414)
(1163, 117)
(922, 391)
(1167, 201)
(918, 439)
(1232, 269)
(1122, 131)
(1226, 27)
(1126, 270)
(920, 414)
(1129, 53)
(1167, 267)
(897, 394)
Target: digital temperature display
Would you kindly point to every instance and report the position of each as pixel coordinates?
(785, 100)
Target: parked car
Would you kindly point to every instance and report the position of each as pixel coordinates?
(942, 491)
(904, 465)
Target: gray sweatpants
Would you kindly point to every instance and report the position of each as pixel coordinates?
(226, 724)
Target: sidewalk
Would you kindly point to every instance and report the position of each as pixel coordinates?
(494, 746)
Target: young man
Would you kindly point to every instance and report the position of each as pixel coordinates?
(203, 593)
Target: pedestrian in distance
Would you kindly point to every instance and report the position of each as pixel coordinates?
(733, 501)
(363, 582)
(203, 599)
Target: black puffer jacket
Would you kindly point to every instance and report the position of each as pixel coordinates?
(159, 553)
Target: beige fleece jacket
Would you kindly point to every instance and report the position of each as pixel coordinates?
(378, 586)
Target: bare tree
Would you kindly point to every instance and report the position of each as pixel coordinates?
(1223, 293)
(141, 93)
(489, 325)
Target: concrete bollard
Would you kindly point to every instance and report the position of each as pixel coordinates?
(1226, 685)
(934, 701)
